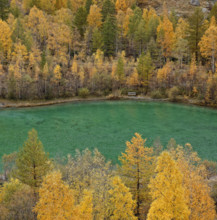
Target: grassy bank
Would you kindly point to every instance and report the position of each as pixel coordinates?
(7, 103)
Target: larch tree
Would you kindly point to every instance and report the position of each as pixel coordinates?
(166, 36)
(181, 43)
(121, 5)
(145, 69)
(32, 163)
(56, 201)
(137, 167)
(196, 30)
(167, 191)
(121, 204)
(199, 201)
(94, 18)
(5, 39)
(133, 79)
(208, 44)
(164, 74)
(120, 70)
(90, 171)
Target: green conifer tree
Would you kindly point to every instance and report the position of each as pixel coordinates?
(80, 20)
(109, 35)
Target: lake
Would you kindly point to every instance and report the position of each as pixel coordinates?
(107, 125)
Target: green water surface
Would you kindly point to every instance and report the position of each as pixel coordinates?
(108, 125)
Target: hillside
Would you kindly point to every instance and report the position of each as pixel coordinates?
(182, 7)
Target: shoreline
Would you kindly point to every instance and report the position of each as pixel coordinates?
(6, 103)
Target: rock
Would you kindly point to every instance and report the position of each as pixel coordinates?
(195, 2)
(205, 10)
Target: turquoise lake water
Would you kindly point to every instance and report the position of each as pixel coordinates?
(107, 125)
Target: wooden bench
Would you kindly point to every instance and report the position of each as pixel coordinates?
(131, 93)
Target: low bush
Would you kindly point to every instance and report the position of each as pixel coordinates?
(173, 93)
(83, 92)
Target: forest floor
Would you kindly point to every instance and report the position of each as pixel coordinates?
(6, 103)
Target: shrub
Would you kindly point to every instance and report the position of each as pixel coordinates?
(83, 92)
(156, 94)
(173, 93)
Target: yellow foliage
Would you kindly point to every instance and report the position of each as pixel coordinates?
(208, 43)
(181, 29)
(74, 66)
(163, 74)
(48, 5)
(5, 38)
(136, 170)
(57, 73)
(133, 79)
(95, 17)
(56, 201)
(167, 191)
(194, 173)
(121, 5)
(126, 22)
(37, 23)
(121, 204)
(166, 36)
(193, 67)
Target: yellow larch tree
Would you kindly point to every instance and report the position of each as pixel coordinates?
(167, 191)
(38, 24)
(166, 36)
(197, 190)
(5, 39)
(164, 73)
(126, 21)
(121, 5)
(57, 75)
(133, 79)
(48, 5)
(56, 201)
(121, 204)
(208, 43)
(94, 18)
(191, 76)
(137, 167)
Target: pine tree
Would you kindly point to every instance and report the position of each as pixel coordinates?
(88, 4)
(137, 167)
(195, 30)
(80, 20)
(97, 40)
(108, 9)
(4, 9)
(168, 193)
(109, 35)
(120, 69)
(32, 162)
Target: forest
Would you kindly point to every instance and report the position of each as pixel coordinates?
(147, 183)
(65, 48)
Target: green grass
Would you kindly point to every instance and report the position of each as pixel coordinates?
(107, 125)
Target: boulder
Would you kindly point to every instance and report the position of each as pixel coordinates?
(195, 2)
